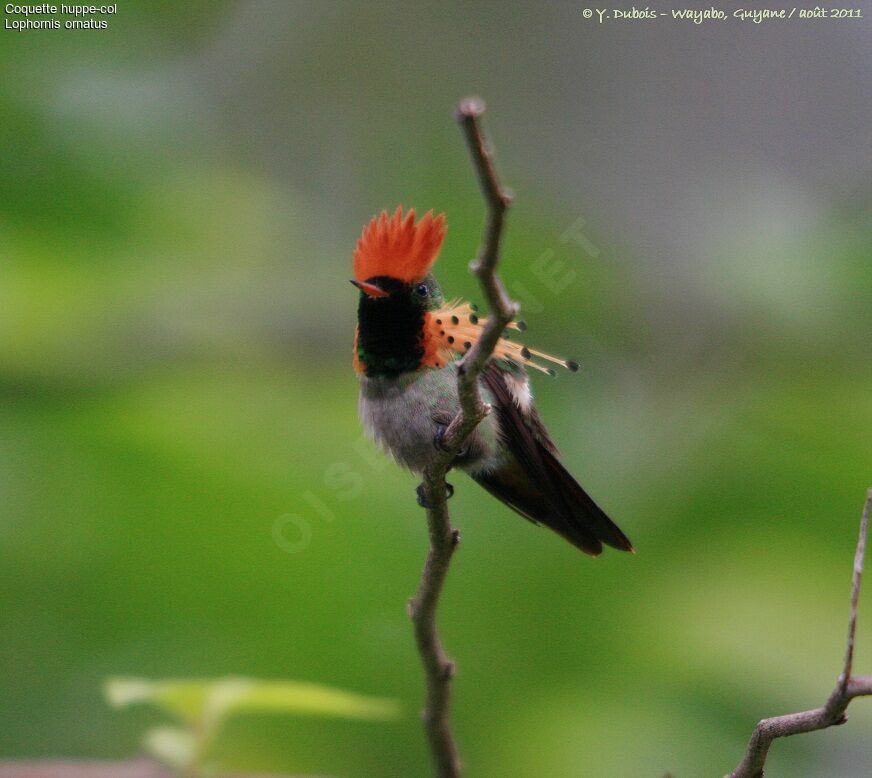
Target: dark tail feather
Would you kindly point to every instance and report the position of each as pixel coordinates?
(536, 485)
(581, 506)
(559, 503)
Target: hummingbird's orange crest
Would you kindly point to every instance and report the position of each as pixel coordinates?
(396, 246)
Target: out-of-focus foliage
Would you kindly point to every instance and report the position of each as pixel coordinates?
(204, 707)
(185, 491)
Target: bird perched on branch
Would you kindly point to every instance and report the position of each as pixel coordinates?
(406, 349)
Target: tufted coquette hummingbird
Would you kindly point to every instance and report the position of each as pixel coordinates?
(406, 352)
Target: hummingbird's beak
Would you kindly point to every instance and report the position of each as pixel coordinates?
(369, 289)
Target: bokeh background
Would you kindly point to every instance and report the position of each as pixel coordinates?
(185, 489)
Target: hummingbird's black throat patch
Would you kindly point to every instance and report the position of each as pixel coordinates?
(390, 329)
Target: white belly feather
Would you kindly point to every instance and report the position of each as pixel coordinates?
(402, 415)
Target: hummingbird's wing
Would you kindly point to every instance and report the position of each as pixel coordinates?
(533, 482)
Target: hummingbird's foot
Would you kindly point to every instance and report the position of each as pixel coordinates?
(422, 499)
(439, 442)
(439, 437)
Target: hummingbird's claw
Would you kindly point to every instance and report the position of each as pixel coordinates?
(439, 441)
(439, 437)
(422, 499)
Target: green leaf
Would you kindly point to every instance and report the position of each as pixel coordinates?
(207, 703)
(172, 746)
(183, 698)
(241, 695)
(204, 705)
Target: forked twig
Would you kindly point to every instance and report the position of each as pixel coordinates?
(847, 686)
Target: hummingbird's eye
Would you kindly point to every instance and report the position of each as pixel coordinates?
(421, 290)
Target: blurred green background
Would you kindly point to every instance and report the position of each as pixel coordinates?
(185, 489)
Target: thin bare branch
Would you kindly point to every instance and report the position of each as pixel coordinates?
(60, 768)
(68, 768)
(847, 687)
(859, 556)
(438, 668)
